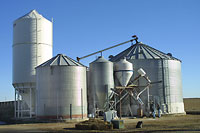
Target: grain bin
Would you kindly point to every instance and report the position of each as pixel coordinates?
(159, 67)
(32, 45)
(61, 89)
(101, 82)
(123, 71)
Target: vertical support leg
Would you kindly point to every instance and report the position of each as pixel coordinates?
(148, 102)
(36, 97)
(15, 104)
(70, 111)
(30, 103)
(115, 102)
(82, 102)
(120, 105)
(57, 104)
(18, 102)
(21, 110)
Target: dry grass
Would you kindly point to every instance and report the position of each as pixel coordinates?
(173, 123)
(184, 123)
(192, 104)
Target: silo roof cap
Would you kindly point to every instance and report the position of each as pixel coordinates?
(142, 51)
(61, 60)
(100, 59)
(32, 14)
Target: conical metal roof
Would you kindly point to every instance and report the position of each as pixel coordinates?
(61, 60)
(32, 14)
(142, 51)
(100, 59)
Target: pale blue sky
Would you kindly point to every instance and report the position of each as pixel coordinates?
(85, 26)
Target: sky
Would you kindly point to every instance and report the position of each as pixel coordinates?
(85, 26)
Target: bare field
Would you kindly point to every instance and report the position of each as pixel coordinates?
(182, 123)
(192, 104)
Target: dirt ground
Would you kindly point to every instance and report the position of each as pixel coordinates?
(192, 104)
(182, 123)
(186, 123)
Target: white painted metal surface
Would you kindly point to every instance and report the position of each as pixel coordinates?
(32, 45)
(123, 71)
(141, 72)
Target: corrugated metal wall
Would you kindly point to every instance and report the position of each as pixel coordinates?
(57, 88)
(101, 81)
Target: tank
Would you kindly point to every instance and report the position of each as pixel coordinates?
(61, 89)
(32, 45)
(101, 82)
(123, 71)
(158, 67)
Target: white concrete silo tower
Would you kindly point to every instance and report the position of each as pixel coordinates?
(32, 45)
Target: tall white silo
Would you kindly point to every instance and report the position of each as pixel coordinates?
(32, 45)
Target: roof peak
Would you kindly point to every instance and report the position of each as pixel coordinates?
(142, 51)
(61, 60)
(32, 14)
(100, 59)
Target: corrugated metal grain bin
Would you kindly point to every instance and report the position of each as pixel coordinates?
(159, 67)
(100, 83)
(61, 89)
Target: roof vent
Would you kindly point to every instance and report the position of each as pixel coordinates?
(110, 56)
(170, 54)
